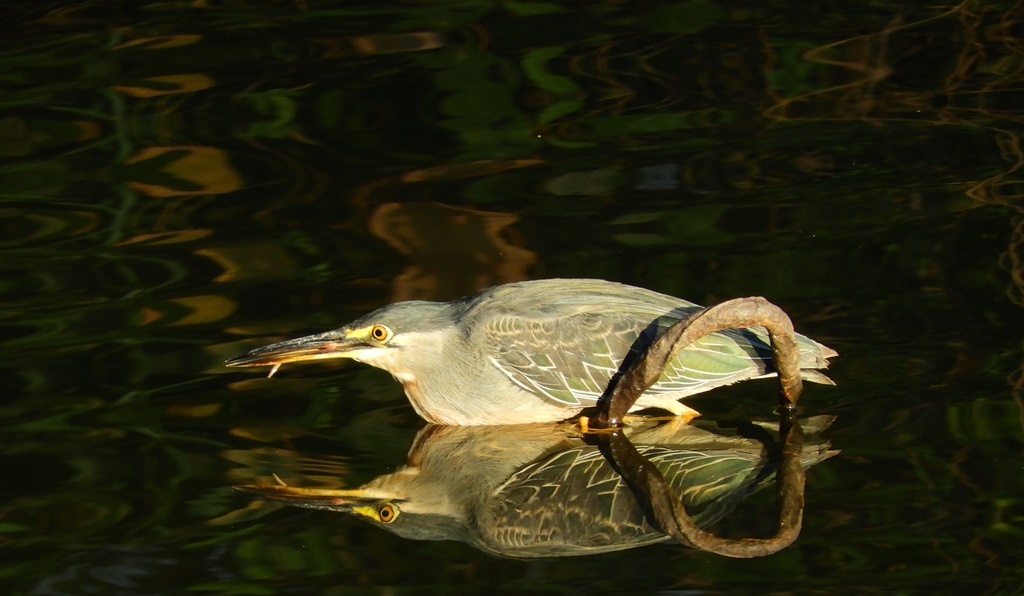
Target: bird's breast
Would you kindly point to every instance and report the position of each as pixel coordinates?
(414, 391)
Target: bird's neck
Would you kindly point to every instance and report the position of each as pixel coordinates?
(431, 378)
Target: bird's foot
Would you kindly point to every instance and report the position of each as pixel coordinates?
(585, 428)
(681, 418)
(676, 423)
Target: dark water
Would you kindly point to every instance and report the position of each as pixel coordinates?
(181, 181)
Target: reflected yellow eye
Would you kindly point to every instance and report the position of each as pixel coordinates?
(387, 513)
(380, 333)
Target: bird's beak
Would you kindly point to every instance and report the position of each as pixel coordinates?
(312, 498)
(334, 344)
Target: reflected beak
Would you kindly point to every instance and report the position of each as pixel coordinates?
(333, 344)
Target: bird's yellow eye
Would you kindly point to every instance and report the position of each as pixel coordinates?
(387, 513)
(380, 333)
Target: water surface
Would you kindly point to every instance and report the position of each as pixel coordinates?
(182, 181)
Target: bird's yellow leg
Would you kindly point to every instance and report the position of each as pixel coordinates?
(680, 415)
(584, 424)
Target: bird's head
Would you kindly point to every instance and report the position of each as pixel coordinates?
(389, 338)
(402, 502)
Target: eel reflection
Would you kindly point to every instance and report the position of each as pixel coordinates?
(542, 491)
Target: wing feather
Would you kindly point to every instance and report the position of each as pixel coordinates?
(566, 346)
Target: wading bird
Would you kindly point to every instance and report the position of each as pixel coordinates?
(537, 351)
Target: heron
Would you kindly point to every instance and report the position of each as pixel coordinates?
(537, 351)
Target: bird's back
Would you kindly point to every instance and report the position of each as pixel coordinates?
(556, 298)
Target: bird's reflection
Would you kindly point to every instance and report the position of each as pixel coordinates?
(542, 490)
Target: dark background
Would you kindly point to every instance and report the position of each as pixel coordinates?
(180, 181)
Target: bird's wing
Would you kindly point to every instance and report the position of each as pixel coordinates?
(566, 345)
(568, 360)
